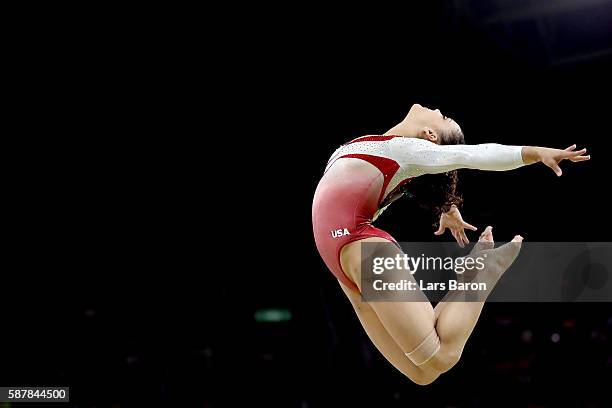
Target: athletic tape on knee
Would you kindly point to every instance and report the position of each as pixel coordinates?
(426, 350)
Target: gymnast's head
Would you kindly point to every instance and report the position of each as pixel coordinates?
(432, 125)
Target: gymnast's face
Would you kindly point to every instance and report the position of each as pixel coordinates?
(432, 124)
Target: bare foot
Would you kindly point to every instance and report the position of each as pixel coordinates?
(484, 242)
(495, 261)
(502, 257)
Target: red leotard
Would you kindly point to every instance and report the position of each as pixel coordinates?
(366, 172)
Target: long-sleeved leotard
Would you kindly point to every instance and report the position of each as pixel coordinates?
(351, 192)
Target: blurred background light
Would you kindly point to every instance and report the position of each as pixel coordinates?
(273, 315)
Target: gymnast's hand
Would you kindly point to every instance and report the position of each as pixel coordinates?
(552, 157)
(454, 222)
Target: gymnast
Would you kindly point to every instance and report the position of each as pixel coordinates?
(362, 178)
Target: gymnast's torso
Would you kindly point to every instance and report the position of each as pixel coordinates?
(365, 175)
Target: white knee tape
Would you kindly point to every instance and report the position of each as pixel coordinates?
(426, 350)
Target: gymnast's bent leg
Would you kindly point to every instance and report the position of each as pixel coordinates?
(456, 309)
(430, 344)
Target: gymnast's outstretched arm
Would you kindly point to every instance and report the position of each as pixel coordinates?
(418, 156)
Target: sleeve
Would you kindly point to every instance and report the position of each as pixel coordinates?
(418, 156)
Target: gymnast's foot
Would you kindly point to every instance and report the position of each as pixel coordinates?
(495, 261)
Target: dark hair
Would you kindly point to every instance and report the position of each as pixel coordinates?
(438, 192)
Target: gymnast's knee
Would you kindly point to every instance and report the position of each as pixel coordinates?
(432, 357)
(424, 377)
(443, 361)
(429, 372)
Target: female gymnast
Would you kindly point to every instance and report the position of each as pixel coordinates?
(361, 179)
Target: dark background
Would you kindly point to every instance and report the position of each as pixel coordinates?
(160, 193)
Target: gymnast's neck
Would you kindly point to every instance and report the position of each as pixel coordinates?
(405, 128)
